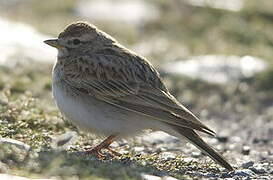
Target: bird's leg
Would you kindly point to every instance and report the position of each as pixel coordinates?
(103, 145)
(113, 152)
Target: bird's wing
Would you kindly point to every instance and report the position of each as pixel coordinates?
(129, 82)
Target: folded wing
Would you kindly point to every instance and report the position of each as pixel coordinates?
(129, 82)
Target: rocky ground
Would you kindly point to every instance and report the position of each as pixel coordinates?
(47, 146)
(233, 96)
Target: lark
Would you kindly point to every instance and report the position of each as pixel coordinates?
(106, 89)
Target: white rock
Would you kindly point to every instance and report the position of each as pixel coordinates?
(217, 68)
(12, 177)
(132, 12)
(138, 149)
(167, 156)
(149, 177)
(63, 141)
(232, 5)
(20, 42)
(248, 164)
(168, 178)
(18, 144)
(244, 172)
(258, 168)
(158, 137)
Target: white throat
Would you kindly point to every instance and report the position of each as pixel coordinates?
(63, 52)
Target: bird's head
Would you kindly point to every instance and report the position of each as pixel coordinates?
(78, 38)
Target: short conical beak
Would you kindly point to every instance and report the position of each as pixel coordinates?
(53, 43)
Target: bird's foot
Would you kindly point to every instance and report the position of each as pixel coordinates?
(97, 150)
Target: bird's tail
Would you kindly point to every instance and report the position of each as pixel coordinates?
(192, 136)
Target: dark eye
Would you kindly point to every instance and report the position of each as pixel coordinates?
(76, 41)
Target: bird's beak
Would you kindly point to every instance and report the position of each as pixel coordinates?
(53, 43)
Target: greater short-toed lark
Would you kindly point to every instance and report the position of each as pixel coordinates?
(104, 88)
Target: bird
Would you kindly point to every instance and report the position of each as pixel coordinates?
(106, 89)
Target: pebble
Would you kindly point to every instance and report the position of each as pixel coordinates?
(168, 178)
(218, 69)
(244, 173)
(226, 175)
(209, 175)
(14, 47)
(152, 177)
(167, 156)
(12, 177)
(139, 149)
(61, 142)
(188, 159)
(136, 11)
(196, 154)
(247, 164)
(245, 150)
(16, 143)
(159, 137)
(258, 169)
(149, 177)
(3, 167)
(228, 5)
(222, 139)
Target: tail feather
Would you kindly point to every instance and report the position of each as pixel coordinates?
(192, 136)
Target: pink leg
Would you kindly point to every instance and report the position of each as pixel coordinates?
(103, 145)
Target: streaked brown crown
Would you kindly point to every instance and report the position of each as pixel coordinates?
(78, 28)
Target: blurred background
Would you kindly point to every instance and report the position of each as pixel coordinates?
(216, 56)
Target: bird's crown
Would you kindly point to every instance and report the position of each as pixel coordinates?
(90, 31)
(78, 28)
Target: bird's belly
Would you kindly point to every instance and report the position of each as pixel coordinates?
(95, 116)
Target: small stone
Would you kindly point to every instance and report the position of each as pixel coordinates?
(9, 177)
(158, 137)
(138, 149)
(209, 175)
(61, 142)
(265, 177)
(14, 47)
(167, 156)
(143, 163)
(258, 169)
(149, 177)
(247, 164)
(196, 154)
(160, 149)
(222, 139)
(3, 167)
(188, 159)
(245, 150)
(168, 178)
(123, 151)
(16, 143)
(226, 175)
(244, 172)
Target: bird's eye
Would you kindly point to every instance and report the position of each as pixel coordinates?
(76, 41)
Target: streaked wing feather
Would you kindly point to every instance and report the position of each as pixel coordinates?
(141, 95)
